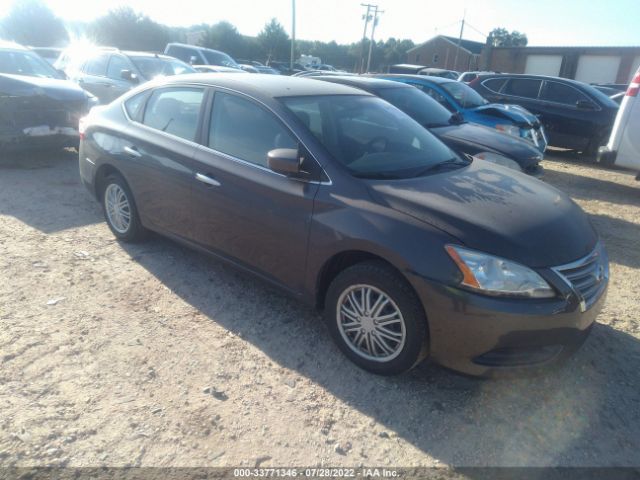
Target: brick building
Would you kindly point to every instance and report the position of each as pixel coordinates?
(440, 52)
(587, 64)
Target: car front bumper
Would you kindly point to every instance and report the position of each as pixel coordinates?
(481, 335)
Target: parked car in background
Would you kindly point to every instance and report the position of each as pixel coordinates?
(50, 54)
(108, 73)
(459, 98)
(476, 141)
(406, 68)
(216, 69)
(319, 73)
(267, 70)
(348, 204)
(575, 115)
(39, 108)
(440, 72)
(623, 147)
(467, 77)
(195, 55)
(284, 68)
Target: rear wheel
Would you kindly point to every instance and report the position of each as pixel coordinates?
(376, 318)
(596, 142)
(120, 210)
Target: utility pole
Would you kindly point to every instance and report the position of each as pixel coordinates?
(366, 17)
(293, 33)
(373, 31)
(455, 60)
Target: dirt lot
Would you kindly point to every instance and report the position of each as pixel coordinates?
(155, 355)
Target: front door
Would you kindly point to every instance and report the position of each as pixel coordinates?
(242, 209)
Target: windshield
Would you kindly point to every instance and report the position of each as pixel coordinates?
(151, 67)
(372, 138)
(422, 108)
(219, 58)
(466, 96)
(26, 63)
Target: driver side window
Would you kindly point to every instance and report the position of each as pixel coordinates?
(244, 130)
(437, 97)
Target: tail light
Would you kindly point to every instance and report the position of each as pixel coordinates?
(82, 126)
(634, 86)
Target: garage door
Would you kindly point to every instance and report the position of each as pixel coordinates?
(634, 67)
(598, 68)
(543, 65)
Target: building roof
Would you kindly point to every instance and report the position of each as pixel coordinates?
(470, 46)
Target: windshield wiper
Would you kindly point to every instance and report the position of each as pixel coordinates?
(451, 163)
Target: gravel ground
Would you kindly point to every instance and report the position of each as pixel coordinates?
(155, 355)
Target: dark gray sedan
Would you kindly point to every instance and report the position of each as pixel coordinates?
(346, 203)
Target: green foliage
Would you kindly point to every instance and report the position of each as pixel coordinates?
(31, 22)
(127, 29)
(274, 41)
(225, 37)
(501, 37)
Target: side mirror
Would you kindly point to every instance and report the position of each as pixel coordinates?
(129, 76)
(585, 105)
(193, 60)
(284, 160)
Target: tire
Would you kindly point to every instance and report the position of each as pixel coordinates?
(595, 143)
(380, 349)
(131, 230)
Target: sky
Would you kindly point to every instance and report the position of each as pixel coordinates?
(546, 22)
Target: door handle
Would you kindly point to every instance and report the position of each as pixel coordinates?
(133, 152)
(212, 182)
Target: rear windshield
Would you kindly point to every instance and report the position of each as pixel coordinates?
(152, 67)
(26, 63)
(466, 96)
(370, 137)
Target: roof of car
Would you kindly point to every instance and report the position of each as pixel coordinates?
(265, 85)
(143, 54)
(425, 78)
(484, 76)
(365, 83)
(196, 47)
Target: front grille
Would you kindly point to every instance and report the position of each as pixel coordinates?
(588, 276)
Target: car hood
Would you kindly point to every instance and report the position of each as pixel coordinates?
(21, 85)
(517, 114)
(495, 210)
(471, 138)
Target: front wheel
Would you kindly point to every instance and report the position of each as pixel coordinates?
(376, 319)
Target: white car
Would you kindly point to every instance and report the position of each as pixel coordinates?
(623, 148)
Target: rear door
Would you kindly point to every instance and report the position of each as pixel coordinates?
(161, 145)
(243, 210)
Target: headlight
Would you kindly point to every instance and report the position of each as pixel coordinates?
(498, 160)
(509, 129)
(496, 276)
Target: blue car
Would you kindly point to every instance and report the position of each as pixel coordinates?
(459, 97)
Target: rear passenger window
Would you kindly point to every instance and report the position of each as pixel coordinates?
(494, 84)
(175, 111)
(561, 93)
(97, 65)
(133, 106)
(244, 130)
(523, 87)
(438, 97)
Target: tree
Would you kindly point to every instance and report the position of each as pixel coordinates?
(501, 37)
(127, 29)
(224, 36)
(274, 41)
(31, 22)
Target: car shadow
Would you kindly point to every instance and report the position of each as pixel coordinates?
(588, 188)
(620, 237)
(32, 196)
(564, 417)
